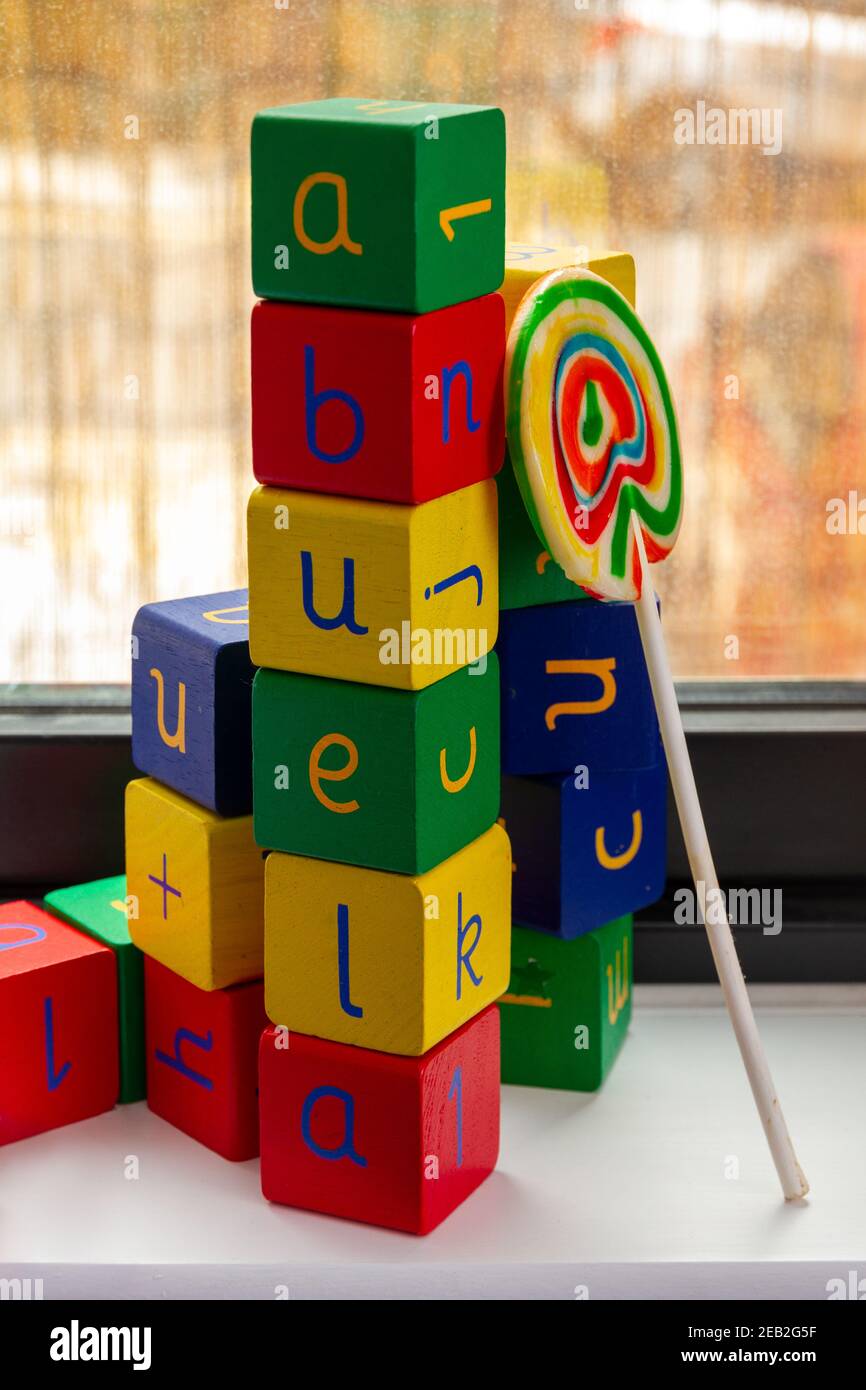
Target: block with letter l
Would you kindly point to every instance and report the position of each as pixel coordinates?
(415, 409)
(382, 204)
(191, 694)
(372, 591)
(58, 1023)
(394, 1141)
(202, 1059)
(390, 779)
(195, 882)
(575, 689)
(382, 960)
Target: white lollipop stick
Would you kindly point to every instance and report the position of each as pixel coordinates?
(728, 967)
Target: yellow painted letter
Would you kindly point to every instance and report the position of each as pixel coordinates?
(341, 236)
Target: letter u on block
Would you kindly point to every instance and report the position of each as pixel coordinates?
(178, 738)
(619, 861)
(603, 668)
(458, 783)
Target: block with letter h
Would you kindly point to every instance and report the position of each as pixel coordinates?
(202, 1060)
(195, 884)
(390, 779)
(395, 1141)
(381, 204)
(383, 960)
(411, 411)
(575, 689)
(371, 591)
(58, 1024)
(191, 696)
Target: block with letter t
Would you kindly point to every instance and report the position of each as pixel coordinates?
(382, 204)
(575, 689)
(202, 1059)
(58, 1023)
(191, 695)
(394, 1141)
(413, 409)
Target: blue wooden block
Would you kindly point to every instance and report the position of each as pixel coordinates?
(575, 690)
(191, 698)
(585, 855)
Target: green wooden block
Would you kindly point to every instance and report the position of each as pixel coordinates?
(379, 204)
(99, 909)
(528, 575)
(568, 1005)
(390, 779)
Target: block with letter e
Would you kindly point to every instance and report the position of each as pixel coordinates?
(567, 1008)
(575, 689)
(100, 910)
(382, 960)
(58, 1023)
(202, 1059)
(372, 591)
(391, 779)
(195, 884)
(394, 1141)
(191, 694)
(382, 204)
(412, 411)
(587, 848)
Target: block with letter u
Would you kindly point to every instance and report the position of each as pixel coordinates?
(387, 961)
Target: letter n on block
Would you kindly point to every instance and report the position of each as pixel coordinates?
(202, 1048)
(395, 1141)
(58, 1024)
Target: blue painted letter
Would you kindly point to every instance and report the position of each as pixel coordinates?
(39, 934)
(55, 1078)
(346, 615)
(176, 1062)
(464, 957)
(343, 963)
(455, 1092)
(345, 1149)
(448, 374)
(313, 402)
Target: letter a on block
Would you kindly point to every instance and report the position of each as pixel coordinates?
(341, 236)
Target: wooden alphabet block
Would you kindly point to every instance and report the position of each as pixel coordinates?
(528, 574)
(383, 204)
(387, 961)
(196, 887)
(202, 1060)
(370, 591)
(191, 694)
(575, 689)
(58, 1024)
(585, 854)
(99, 909)
(414, 410)
(525, 263)
(566, 1013)
(394, 1141)
(390, 779)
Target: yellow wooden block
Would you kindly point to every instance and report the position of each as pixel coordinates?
(382, 960)
(525, 263)
(195, 884)
(373, 591)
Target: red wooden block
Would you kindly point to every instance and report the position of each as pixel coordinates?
(58, 1023)
(398, 407)
(396, 1141)
(201, 1059)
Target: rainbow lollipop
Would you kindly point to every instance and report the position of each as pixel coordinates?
(592, 431)
(593, 438)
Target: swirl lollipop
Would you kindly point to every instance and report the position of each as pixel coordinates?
(593, 438)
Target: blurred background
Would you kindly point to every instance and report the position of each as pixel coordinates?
(125, 291)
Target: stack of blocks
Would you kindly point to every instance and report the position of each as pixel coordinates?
(377, 361)
(584, 785)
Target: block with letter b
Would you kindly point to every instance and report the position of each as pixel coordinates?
(575, 689)
(391, 779)
(394, 1141)
(195, 883)
(202, 1060)
(414, 410)
(382, 204)
(191, 694)
(100, 910)
(371, 591)
(387, 961)
(566, 1012)
(587, 848)
(58, 1024)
